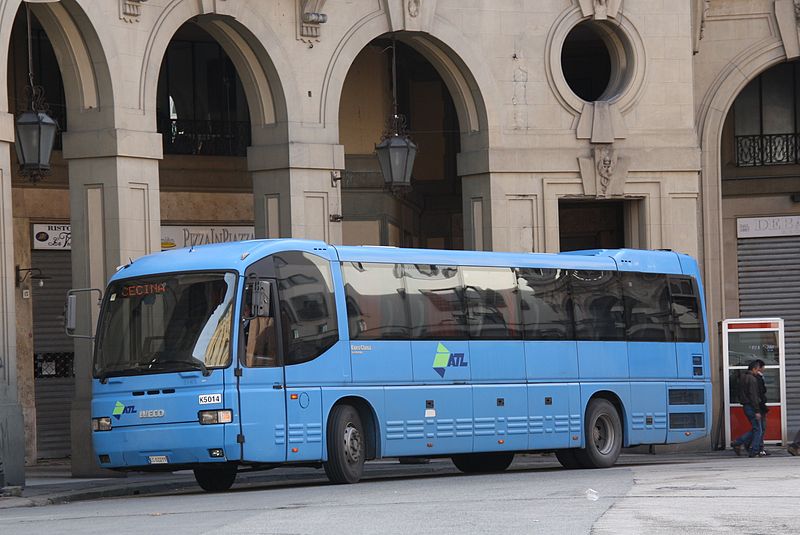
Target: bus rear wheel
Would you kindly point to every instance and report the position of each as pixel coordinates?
(483, 463)
(603, 435)
(215, 478)
(346, 446)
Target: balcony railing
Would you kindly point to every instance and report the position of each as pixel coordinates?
(767, 149)
(206, 138)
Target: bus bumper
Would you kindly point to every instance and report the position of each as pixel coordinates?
(163, 446)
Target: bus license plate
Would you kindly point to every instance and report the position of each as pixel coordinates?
(158, 459)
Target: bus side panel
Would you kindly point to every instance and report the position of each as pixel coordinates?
(648, 413)
(330, 368)
(549, 416)
(501, 417)
(652, 360)
(428, 420)
(375, 398)
(441, 361)
(304, 424)
(603, 360)
(692, 363)
(381, 362)
(551, 360)
(620, 391)
(689, 422)
(497, 360)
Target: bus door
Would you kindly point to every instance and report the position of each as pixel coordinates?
(262, 401)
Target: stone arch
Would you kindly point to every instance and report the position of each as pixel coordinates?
(263, 73)
(470, 83)
(80, 55)
(713, 110)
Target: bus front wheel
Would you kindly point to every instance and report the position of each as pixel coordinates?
(215, 478)
(346, 447)
(483, 463)
(603, 435)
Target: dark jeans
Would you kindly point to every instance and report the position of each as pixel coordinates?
(755, 435)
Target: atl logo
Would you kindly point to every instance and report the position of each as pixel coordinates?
(120, 409)
(445, 359)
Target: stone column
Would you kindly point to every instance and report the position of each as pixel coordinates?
(115, 216)
(294, 192)
(12, 429)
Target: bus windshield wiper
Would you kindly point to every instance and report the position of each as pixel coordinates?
(194, 364)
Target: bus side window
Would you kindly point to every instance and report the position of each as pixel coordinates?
(647, 307)
(491, 301)
(307, 305)
(436, 303)
(598, 306)
(376, 303)
(686, 312)
(546, 304)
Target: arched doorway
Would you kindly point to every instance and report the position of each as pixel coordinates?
(430, 214)
(43, 271)
(760, 179)
(203, 117)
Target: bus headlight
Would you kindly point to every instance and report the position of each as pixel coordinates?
(222, 416)
(101, 424)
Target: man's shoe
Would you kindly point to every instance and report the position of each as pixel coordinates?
(793, 449)
(763, 453)
(737, 448)
(753, 454)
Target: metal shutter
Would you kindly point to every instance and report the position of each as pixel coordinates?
(53, 354)
(769, 286)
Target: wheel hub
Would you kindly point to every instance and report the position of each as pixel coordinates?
(603, 434)
(352, 444)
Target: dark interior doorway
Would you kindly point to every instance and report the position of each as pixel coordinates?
(591, 225)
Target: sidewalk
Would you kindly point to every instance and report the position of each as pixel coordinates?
(51, 482)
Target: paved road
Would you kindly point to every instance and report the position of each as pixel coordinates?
(685, 495)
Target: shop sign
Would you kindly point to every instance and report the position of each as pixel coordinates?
(764, 227)
(175, 237)
(57, 237)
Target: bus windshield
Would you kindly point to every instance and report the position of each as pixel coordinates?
(166, 323)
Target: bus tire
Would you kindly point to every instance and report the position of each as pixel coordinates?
(603, 435)
(568, 459)
(346, 446)
(483, 463)
(215, 478)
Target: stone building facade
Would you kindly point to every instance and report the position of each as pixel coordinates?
(543, 125)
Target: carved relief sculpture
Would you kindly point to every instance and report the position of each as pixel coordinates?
(413, 8)
(310, 17)
(604, 173)
(130, 10)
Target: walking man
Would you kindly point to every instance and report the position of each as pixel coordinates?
(750, 398)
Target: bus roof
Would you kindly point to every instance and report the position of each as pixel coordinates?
(238, 256)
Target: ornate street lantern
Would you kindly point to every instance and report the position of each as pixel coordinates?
(396, 151)
(35, 130)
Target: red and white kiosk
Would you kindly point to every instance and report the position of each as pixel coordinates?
(745, 340)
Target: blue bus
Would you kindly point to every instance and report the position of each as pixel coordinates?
(252, 354)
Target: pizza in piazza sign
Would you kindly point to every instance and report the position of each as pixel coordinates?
(59, 237)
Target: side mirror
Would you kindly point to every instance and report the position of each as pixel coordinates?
(71, 311)
(257, 295)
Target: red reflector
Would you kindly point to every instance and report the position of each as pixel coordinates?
(430, 444)
(687, 433)
(501, 441)
(295, 450)
(293, 396)
(754, 325)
